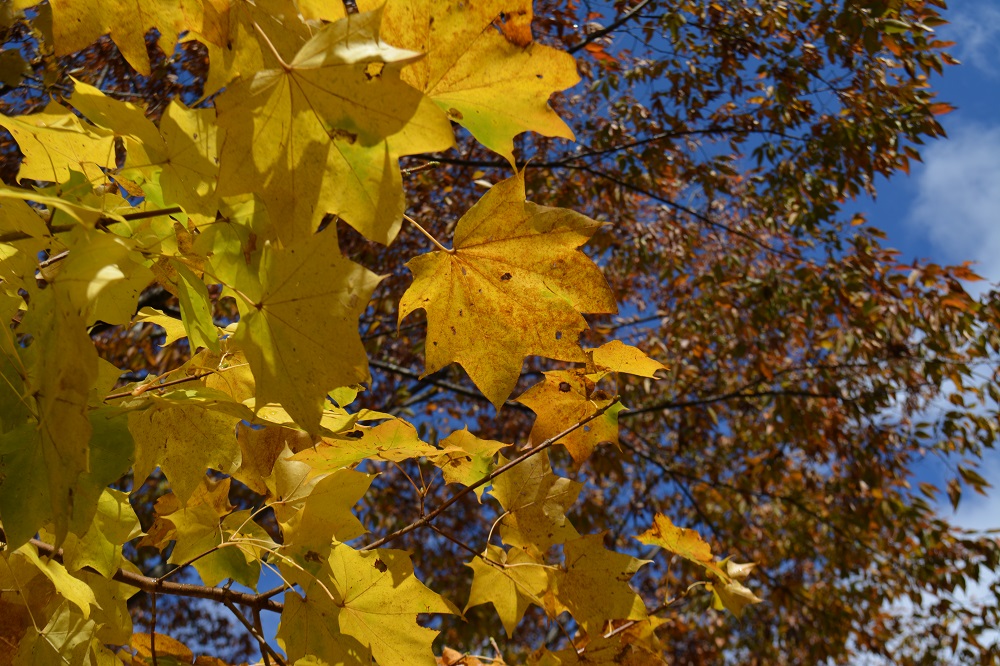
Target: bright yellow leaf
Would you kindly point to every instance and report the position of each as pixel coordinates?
(513, 261)
(495, 83)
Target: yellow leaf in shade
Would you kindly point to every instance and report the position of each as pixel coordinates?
(683, 542)
(733, 596)
(314, 509)
(65, 639)
(494, 83)
(70, 588)
(324, 135)
(76, 25)
(103, 274)
(244, 50)
(100, 546)
(200, 525)
(185, 433)
(468, 460)
(565, 398)
(594, 586)
(42, 462)
(513, 261)
(511, 589)
(55, 142)
(182, 150)
(300, 331)
(535, 501)
(394, 440)
(617, 356)
(359, 608)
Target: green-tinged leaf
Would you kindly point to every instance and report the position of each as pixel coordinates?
(336, 121)
(218, 542)
(468, 459)
(185, 433)
(196, 309)
(64, 639)
(314, 510)
(300, 333)
(70, 588)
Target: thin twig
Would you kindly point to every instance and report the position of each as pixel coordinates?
(152, 626)
(424, 520)
(265, 649)
(597, 34)
(139, 390)
(259, 626)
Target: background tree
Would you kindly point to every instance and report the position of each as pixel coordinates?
(719, 142)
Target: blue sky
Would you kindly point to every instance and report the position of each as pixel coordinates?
(948, 209)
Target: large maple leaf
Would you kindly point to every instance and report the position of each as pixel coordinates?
(494, 83)
(322, 134)
(514, 285)
(359, 606)
(300, 334)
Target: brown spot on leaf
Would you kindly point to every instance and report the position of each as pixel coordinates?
(338, 134)
(505, 277)
(312, 556)
(380, 565)
(455, 114)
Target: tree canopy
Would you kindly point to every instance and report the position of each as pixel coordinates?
(416, 332)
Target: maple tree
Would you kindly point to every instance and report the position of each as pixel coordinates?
(289, 302)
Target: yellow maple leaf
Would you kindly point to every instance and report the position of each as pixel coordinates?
(535, 501)
(565, 398)
(513, 262)
(76, 25)
(300, 332)
(359, 607)
(56, 142)
(322, 134)
(511, 589)
(494, 83)
(594, 586)
(684, 542)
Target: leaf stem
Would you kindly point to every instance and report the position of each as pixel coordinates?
(263, 35)
(427, 234)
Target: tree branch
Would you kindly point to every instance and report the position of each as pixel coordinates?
(426, 519)
(597, 34)
(158, 586)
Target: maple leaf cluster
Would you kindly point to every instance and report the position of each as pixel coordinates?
(267, 264)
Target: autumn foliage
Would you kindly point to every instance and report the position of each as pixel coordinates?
(327, 344)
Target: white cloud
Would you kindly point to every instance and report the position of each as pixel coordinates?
(976, 31)
(958, 200)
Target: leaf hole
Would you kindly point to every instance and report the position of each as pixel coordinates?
(558, 335)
